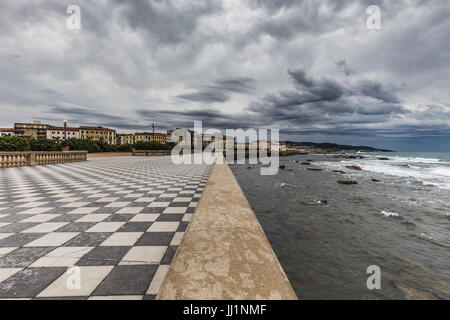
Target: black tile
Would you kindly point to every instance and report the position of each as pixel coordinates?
(61, 298)
(27, 283)
(155, 239)
(67, 218)
(17, 227)
(88, 239)
(135, 227)
(103, 256)
(170, 217)
(118, 217)
(179, 204)
(23, 257)
(126, 280)
(182, 226)
(19, 239)
(152, 210)
(14, 217)
(77, 227)
(168, 256)
(190, 210)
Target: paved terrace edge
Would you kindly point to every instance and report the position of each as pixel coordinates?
(224, 254)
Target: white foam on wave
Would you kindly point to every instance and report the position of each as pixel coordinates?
(434, 175)
(389, 214)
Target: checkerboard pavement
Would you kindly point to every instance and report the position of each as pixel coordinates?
(119, 220)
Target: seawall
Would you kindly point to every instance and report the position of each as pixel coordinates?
(224, 254)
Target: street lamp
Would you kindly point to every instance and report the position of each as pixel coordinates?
(65, 131)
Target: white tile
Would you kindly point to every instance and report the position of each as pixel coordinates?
(32, 204)
(187, 217)
(163, 226)
(145, 217)
(167, 195)
(175, 210)
(182, 199)
(117, 204)
(130, 210)
(53, 239)
(177, 237)
(122, 239)
(5, 235)
(106, 227)
(134, 195)
(41, 218)
(99, 195)
(6, 273)
(35, 210)
(6, 250)
(106, 199)
(159, 204)
(144, 255)
(62, 257)
(90, 278)
(76, 204)
(145, 199)
(157, 280)
(93, 217)
(69, 199)
(46, 227)
(85, 210)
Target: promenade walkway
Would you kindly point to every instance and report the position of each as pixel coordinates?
(119, 220)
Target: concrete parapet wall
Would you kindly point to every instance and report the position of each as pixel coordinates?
(151, 152)
(33, 158)
(224, 253)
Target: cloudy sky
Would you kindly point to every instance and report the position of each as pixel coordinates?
(311, 68)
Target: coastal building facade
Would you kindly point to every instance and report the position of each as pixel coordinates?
(7, 132)
(98, 133)
(57, 133)
(134, 138)
(33, 130)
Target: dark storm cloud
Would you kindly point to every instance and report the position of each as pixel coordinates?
(165, 20)
(345, 69)
(210, 118)
(179, 61)
(220, 91)
(209, 96)
(326, 101)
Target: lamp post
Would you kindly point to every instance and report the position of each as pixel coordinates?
(153, 125)
(65, 131)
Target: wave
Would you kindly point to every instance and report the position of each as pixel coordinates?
(435, 174)
(389, 214)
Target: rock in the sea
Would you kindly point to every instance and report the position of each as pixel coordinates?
(315, 169)
(283, 167)
(306, 163)
(338, 171)
(354, 168)
(347, 182)
(384, 159)
(376, 180)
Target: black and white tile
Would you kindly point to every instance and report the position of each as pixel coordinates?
(119, 220)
